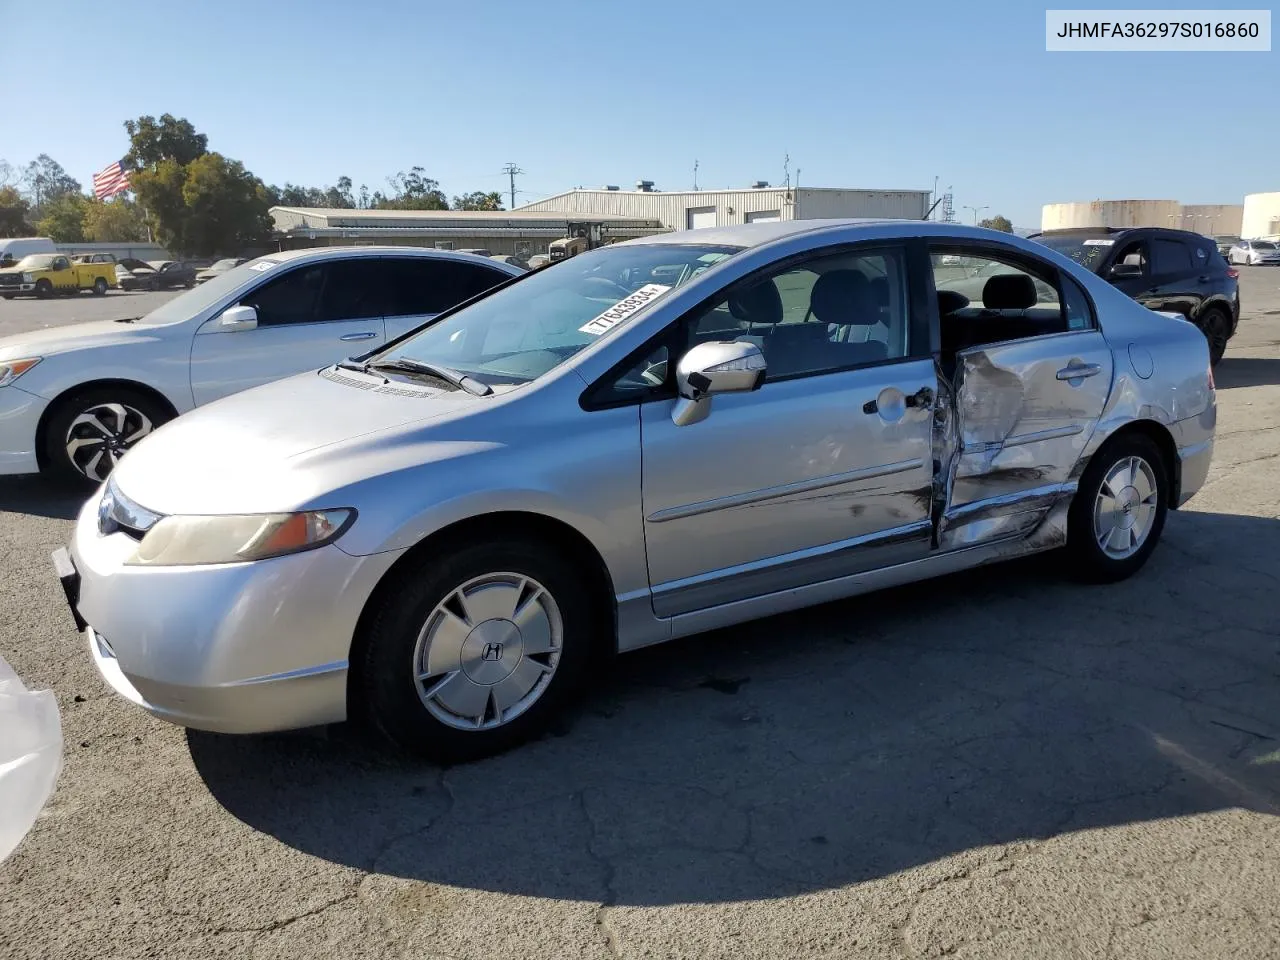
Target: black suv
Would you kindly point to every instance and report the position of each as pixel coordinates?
(1175, 271)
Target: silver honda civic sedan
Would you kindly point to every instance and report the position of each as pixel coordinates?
(645, 441)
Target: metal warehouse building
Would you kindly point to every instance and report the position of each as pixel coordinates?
(519, 232)
(691, 209)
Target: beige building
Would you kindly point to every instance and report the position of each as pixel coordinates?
(1205, 218)
(691, 209)
(516, 232)
(1261, 216)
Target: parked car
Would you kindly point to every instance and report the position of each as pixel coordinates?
(1255, 253)
(1224, 243)
(14, 249)
(219, 267)
(509, 259)
(538, 261)
(53, 274)
(440, 536)
(134, 274)
(173, 273)
(90, 391)
(1169, 271)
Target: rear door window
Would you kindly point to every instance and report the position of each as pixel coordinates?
(1169, 258)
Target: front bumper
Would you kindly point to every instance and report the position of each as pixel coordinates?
(231, 648)
(20, 288)
(19, 419)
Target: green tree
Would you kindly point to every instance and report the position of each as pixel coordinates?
(13, 214)
(997, 222)
(62, 218)
(478, 201)
(197, 202)
(413, 190)
(113, 221)
(169, 138)
(46, 181)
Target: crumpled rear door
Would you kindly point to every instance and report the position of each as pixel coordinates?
(1024, 411)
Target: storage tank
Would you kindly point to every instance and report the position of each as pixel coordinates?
(1111, 213)
(1261, 216)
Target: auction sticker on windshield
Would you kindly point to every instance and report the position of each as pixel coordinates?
(1099, 243)
(624, 308)
(262, 265)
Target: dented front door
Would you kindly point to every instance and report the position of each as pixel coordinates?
(1024, 411)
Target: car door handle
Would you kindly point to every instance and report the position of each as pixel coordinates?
(366, 335)
(1078, 371)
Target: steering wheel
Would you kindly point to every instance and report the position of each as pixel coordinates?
(605, 285)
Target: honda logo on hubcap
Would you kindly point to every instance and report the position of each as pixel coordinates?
(492, 651)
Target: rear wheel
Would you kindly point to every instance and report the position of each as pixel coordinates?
(1217, 330)
(99, 287)
(472, 653)
(1119, 510)
(89, 432)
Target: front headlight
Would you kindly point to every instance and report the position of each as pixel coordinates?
(28, 278)
(182, 541)
(11, 370)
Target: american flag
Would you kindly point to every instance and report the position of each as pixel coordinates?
(110, 181)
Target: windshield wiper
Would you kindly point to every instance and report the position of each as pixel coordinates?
(410, 365)
(127, 319)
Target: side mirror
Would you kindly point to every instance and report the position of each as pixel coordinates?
(238, 318)
(726, 366)
(1119, 271)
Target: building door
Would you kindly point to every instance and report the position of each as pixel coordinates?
(699, 217)
(763, 216)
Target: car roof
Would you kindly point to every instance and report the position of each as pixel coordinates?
(1119, 231)
(334, 253)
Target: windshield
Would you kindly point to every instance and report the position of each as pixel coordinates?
(1263, 245)
(520, 332)
(36, 261)
(1087, 251)
(201, 297)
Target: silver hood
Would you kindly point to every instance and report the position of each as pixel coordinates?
(283, 445)
(76, 336)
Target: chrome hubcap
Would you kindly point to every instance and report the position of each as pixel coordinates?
(488, 651)
(98, 438)
(1125, 508)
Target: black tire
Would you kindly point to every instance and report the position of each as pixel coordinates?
(44, 289)
(1088, 559)
(100, 287)
(59, 460)
(9, 296)
(1216, 327)
(384, 687)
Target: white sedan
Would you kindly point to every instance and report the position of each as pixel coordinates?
(73, 399)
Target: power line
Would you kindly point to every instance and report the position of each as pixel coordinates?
(511, 170)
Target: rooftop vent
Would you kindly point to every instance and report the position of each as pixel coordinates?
(610, 186)
(760, 185)
(644, 186)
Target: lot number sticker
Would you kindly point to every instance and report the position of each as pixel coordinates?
(262, 265)
(624, 308)
(1099, 243)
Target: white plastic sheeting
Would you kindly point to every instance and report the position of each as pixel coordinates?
(30, 755)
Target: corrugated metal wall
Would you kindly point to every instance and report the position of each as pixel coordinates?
(732, 206)
(892, 204)
(1111, 213)
(1212, 219)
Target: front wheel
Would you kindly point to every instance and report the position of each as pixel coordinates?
(44, 289)
(1119, 510)
(89, 432)
(472, 653)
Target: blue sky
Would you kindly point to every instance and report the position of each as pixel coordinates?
(883, 94)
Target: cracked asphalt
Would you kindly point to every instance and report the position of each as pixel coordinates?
(997, 764)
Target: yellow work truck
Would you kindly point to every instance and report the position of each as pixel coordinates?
(53, 274)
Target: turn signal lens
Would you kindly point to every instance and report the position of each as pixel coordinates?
(11, 370)
(184, 541)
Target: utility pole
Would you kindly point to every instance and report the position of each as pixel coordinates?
(511, 170)
(976, 211)
(695, 174)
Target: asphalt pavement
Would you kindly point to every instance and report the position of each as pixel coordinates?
(1001, 763)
